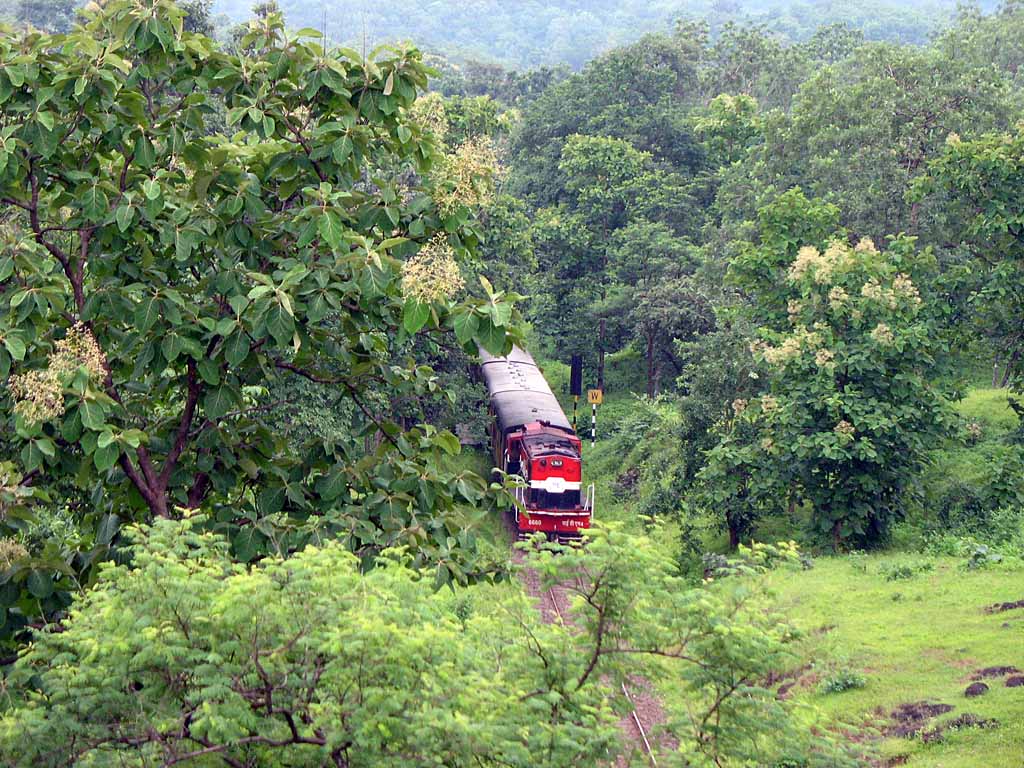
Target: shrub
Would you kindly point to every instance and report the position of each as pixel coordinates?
(904, 570)
(842, 680)
(982, 557)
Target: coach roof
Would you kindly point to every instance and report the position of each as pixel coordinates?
(519, 393)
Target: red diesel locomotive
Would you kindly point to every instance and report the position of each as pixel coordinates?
(532, 438)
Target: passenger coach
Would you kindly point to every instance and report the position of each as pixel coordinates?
(532, 438)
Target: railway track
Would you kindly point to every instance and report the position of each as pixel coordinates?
(634, 716)
(551, 602)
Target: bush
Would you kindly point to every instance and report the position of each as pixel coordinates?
(904, 570)
(842, 680)
(982, 557)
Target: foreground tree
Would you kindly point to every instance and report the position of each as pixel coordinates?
(160, 284)
(188, 658)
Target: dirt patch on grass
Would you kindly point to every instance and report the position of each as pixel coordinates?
(912, 718)
(1016, 681)
(976, 689)
(966, 720)
(1002, 607)
(990, 672)
(892, 762)
(802, 676)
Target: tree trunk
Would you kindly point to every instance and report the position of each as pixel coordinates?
(651, 373)
(836, 540)
(1008, 371)
(734, 534)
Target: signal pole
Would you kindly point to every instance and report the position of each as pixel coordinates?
(593, 425)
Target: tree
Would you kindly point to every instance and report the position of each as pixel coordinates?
(853, 404)
(985, 178)
(664, 315)
(605, 232)
(187, 657)
(158, 281)
(633, 94)
(861, 131)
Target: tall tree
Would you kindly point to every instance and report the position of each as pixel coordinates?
(157, 280)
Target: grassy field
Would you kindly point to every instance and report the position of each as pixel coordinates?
(912, 640)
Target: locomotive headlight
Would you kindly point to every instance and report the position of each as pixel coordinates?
(556, 462)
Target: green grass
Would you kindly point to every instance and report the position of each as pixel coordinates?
(912, 640)
(991, 409)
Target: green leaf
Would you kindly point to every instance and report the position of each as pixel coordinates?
(145, 155)
(466, 324)
(147, 313)
(280, 324)
(236, 347)
(415, 315)
(94, 203)
(341, 150)
(492, 338)
(271, 500)
(92, 415)
(107, 529)
(330, 229)
(15, 346)
(449, 443)
(123, 216)
(500, 312)
(331, 485)
(105, 458)
(171, 347)
(209, 370)
(40, 584)
(247, 543)
(183, 243)
(218, 402)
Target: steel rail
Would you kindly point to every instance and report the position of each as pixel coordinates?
(625, 691)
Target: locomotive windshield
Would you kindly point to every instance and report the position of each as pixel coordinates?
(537, 445)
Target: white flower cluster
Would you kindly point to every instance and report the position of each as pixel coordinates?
(468, 176)
(844, 429)
(428, 113)
(882, 334)
(432, 274)
(791, 347)
(902, 290)
(39, 394)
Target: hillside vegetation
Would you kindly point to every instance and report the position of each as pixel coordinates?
(244, 281)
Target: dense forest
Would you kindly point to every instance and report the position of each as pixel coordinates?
(527, 34)
(247, 514)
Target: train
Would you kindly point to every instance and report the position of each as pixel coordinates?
(532, 438)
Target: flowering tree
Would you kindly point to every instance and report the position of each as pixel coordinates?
(851, 406)
(163, 286)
